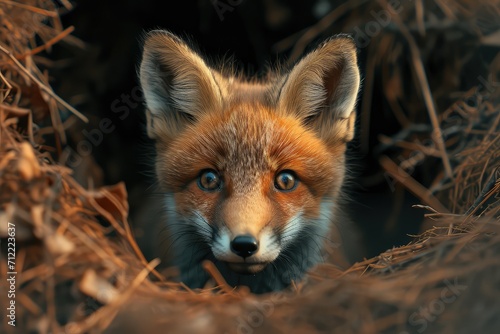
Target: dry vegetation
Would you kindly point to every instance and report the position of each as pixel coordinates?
(79, 269)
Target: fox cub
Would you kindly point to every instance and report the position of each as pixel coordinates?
(251, 171)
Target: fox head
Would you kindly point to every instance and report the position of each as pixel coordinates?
(251, 170)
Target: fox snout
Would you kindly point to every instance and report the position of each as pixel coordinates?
(243, 253)
(245, 242)
(245, 246)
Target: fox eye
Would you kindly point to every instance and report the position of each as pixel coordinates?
(286, 181)
(209, 180)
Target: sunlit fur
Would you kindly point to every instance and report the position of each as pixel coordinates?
(249, 131)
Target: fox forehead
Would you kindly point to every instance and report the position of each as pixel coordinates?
(247, 142)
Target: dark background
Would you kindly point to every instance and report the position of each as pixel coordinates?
(100, 80)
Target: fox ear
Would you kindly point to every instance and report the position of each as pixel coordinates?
(321, 89)
(178, 85)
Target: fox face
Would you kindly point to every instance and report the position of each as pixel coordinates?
(251, 171)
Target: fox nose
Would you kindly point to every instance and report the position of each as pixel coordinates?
(244, 245)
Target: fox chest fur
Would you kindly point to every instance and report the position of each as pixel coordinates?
(250, 172)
